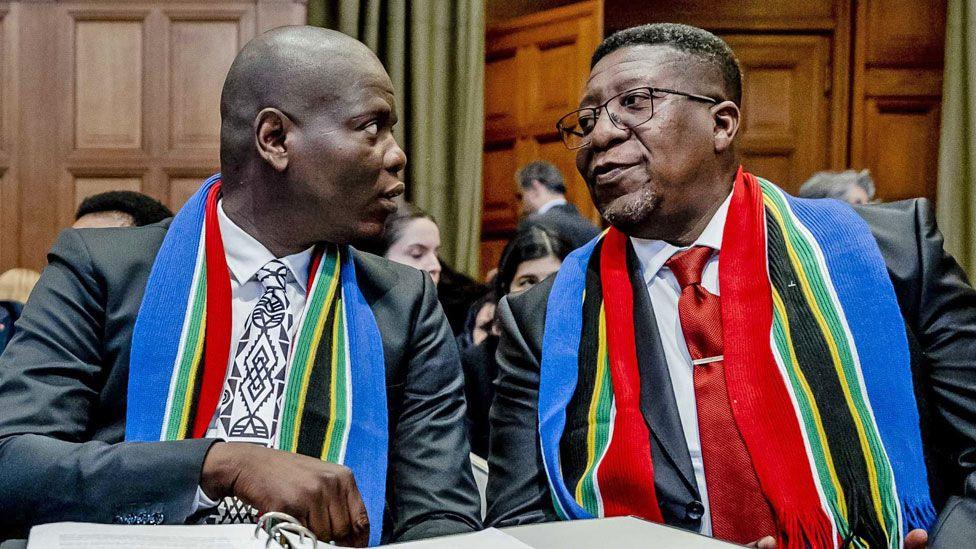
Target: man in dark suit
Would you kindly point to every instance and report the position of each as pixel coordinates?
(665, 180)
(544, 203)
(308, 162)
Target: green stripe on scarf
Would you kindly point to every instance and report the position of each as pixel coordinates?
(857, 468)
(182, 400)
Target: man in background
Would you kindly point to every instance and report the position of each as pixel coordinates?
(848, 186)
(119, 209)
(544, 202)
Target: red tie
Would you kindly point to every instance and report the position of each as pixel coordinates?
(740, 512)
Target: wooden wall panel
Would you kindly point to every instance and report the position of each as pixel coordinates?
(491, 253)
(535, 70)
(201, 52)
(897, 93)
(904, 164)
(501, 84)
(785, 105)
(725, 15)
(9, 141)
(499, 209)
(181, 189)
(88, 186)
(904, 33)
(117, 94)
(108, 84)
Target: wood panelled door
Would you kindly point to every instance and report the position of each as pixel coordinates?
(535, 70)
(118, 95)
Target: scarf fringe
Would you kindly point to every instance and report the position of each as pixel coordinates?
(802, 531)
(918, 512)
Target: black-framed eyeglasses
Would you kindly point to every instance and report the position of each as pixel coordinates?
(626, 110)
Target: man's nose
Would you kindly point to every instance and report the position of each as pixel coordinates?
(395, 159)
(605, 133)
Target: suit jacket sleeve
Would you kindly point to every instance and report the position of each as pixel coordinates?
(518, 490)
(50, 377)
(939, 308)
(430, 478)
(945, 326)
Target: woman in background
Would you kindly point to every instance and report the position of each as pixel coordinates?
(532, 255)
(411, 237)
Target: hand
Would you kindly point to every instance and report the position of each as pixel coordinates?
(916, 539)
(322, 495)
(767, 542)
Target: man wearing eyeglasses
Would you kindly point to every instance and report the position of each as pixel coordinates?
(726, 358)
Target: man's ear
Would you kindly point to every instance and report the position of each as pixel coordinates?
(271, 128)
(726, 117)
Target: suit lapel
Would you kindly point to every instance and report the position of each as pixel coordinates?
(658, 404)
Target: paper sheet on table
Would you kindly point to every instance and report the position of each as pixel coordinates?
(77, 535)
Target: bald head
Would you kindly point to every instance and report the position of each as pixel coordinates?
(296, 70)
(307, 152)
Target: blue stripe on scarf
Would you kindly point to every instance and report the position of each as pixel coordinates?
(156, 335)
(860, 277)
(366, 450)
(560, 369)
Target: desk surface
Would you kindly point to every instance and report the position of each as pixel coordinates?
(611, 533)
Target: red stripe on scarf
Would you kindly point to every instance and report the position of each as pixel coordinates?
(218, 322)
(626, 475)
(762, 407)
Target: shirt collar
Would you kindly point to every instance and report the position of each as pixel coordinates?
(653, 254)
(551, 204)
(245, 255)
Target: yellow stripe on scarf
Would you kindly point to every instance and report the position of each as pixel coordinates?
(817, 313)
(822, 434)
(601, 375)
(309, 362)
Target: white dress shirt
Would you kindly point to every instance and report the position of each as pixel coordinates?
(664, 291)
(550, 205)
(245, 257)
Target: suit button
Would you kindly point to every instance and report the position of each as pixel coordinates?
(695, 510)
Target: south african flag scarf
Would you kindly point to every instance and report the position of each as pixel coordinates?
(816, 362)
(334, 406)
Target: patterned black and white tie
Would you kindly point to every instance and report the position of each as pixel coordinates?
(251, 400)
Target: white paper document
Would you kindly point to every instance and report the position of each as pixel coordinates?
(77, 535)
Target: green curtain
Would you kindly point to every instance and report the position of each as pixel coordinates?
(957, 149)
(434, 52)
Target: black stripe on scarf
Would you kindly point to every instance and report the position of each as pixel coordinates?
(318, 401)
(572, 445)
(817, 365)
(196, 383)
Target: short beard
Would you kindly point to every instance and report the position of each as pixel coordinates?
(632, 210)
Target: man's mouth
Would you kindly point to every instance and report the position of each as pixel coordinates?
(394, 191)
(609, 172)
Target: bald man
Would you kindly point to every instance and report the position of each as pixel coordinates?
(241, 357)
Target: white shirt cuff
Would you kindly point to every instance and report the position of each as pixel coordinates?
(202, 502)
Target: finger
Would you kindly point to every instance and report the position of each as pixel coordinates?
(359, 536)
(916, 539)
(767, 542)
(339, 515)
(320, 520)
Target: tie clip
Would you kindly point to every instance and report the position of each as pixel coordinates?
(707, 360)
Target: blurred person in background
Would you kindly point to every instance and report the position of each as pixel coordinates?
(533, 254)
(119, 209)
(543, 194)
(15, 288)
(848, 186)
(411, 237)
